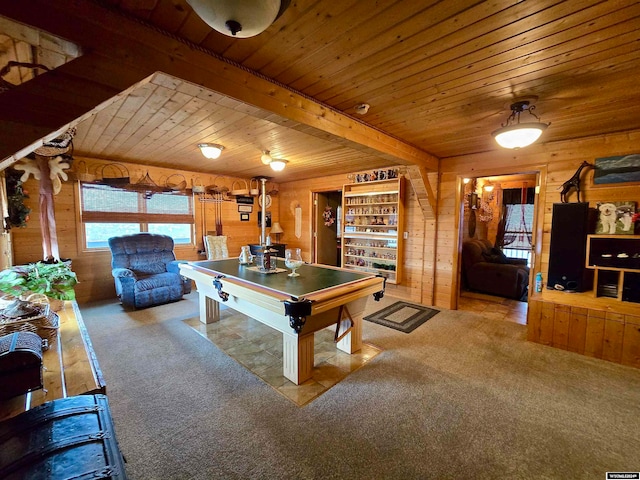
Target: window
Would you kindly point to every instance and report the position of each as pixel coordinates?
(107, 211)
(518, 222)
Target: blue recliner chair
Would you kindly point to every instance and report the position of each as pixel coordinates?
(146, 271)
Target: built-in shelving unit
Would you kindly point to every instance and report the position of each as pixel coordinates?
(615, 260)
(372, 227)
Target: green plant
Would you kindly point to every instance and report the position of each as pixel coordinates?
(55, 280)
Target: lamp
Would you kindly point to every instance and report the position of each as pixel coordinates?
(239, 18)
(210, 150)
(277, 230)
(278, 164)
(514, 134)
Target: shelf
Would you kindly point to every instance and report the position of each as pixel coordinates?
(615, 260)
(368, 234)
(377, 259)
(380, 201)
(390, 274)
(393, 249)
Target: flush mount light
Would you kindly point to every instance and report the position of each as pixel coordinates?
(239, 18)
(210, 150)
(278, 164)
(514, 134)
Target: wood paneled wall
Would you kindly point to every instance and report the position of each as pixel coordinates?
(431, 250)
(417, 282)
(556, 162)
(93, 268)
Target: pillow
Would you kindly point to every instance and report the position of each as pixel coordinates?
(495, 255)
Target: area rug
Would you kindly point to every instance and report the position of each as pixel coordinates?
(402, 316)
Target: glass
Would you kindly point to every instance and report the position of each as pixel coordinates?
(180, 232)
(293, 260)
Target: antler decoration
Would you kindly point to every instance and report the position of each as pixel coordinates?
(49, 168)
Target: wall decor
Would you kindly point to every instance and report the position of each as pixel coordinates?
(615, 218)
(267, 217)
(620, 169)
(244, 217)
(245, 208)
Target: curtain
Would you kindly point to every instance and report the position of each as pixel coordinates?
(515, 201)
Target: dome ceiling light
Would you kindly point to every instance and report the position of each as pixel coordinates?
(514, 134)
(211, 150)
(239, 18)
(278, 164)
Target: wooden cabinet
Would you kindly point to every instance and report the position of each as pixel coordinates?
(372, 227)
(615, 260)
(597, 327)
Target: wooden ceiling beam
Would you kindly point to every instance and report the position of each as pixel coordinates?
(130, 43)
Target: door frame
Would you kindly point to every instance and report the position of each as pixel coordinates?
(540, 171)
(315, 219)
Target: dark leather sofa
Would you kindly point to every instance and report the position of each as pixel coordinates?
(487, 270)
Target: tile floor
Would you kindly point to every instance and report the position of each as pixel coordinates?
(259, 348)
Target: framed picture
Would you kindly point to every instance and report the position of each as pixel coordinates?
(245, 208)
(244, 217)
(622, 169)
(268, 219)
(614, 218)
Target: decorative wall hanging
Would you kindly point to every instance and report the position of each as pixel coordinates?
(486, 212)
(18, 212)
(51, 161)
(329, 217)
(298, 221)
(620, 169)
(616, 218)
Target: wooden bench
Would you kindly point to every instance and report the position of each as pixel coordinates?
(70, 366)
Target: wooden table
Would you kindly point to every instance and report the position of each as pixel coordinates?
(70, 366)
(297, 307)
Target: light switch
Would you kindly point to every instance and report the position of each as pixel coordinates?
(406, 235)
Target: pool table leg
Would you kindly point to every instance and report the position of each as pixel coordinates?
(297, 357)
(352, 341)
(209, 309)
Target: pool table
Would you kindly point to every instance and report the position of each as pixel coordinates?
(295, 306)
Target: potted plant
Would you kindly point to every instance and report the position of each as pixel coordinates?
(54, 280)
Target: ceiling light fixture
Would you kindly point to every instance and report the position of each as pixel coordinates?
(265, 157)
(514, 134)
(362, 108)
(210, 150)
(278, 164)
(239, 18)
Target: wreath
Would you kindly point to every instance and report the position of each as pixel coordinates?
(329, 217)
(18, 211)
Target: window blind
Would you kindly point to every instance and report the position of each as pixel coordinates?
(105, 203)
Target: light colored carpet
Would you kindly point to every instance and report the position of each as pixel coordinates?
(459, 397)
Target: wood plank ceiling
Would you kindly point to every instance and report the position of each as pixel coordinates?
(439, 76)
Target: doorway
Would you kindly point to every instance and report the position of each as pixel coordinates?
(326, 231)
(500, 211)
